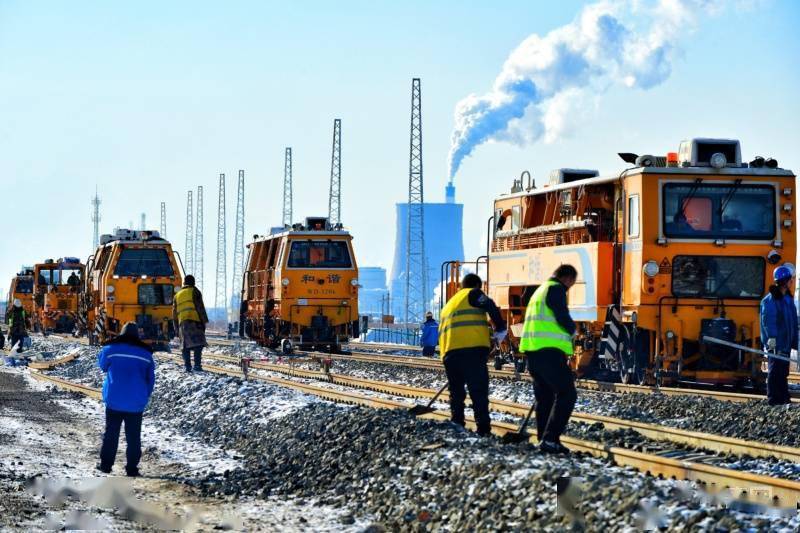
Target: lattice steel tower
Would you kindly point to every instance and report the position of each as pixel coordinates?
(238, 251)
(287, 187)
(335, 197)
(199, 251)
(416, 276)
(221, 297)
(96, 219)
(163, 228)
(189, 266)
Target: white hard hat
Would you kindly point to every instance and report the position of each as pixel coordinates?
(17, 303)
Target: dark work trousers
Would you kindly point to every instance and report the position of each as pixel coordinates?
(778, 382)
(133, 438)
(554, 388)
(467, 366)
(428, 351)
(18, 339)
(198, 352)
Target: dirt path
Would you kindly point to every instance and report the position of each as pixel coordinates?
(55, 436)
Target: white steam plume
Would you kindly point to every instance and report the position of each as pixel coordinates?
(545, 80)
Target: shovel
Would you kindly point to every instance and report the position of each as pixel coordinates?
(519, 435)
(418, 410)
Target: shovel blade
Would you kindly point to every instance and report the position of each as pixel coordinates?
(419, 410)
(514, 438)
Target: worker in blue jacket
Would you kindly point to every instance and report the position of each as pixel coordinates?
(430, 335)
(779, 333)
(130, 377)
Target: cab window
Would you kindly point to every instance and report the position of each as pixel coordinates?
(319, 254)
(719, 211)
(633, 215)
(143, 262)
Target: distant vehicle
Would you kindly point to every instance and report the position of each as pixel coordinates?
(132, 277)
(300, 288)
(57, 290)
(670, 251)
(21, 288)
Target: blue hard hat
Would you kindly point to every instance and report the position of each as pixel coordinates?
(782, 273)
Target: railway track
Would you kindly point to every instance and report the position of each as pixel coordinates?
(708, 441)
(601, 386)
(752, 487)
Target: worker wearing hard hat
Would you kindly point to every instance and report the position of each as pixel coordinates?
(18, 330)
(430, 335)
(189, 314)
(547, 342)
(465, 342)
(779, 333)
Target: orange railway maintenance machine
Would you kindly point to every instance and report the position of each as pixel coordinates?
(21, 288)
(669, 251)
(132, 277)
(57, 290)
(300, 288)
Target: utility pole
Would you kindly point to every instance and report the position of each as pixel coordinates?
(221, 297)
(96, 219)
(238, 251)
(198, 241)
(335, 197)
(189, 266)
(143, 223)
(287, 187)
(163, 220)
(416, 276)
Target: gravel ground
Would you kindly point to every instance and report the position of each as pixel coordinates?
(409, 474)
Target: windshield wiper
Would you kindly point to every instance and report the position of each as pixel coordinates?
(681, 214)
(728, 197)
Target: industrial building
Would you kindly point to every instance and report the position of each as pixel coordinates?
(373, 294)
(444, 241)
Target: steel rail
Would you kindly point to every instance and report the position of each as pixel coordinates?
(754, 487)
(52, 363)
(86, 390)
(707, 441)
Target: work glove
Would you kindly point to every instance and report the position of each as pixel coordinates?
(771, 343)
(499, 336)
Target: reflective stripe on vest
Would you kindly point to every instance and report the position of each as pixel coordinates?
(541, 329)
(461, 325)
(184, 302)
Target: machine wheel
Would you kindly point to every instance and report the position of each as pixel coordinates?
(286, 347)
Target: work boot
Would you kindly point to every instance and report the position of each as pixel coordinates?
(132, 472)
(198, 368)
(104, 469)
(556, 448)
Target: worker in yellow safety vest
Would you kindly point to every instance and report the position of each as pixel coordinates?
(189, 315)
(547, 342)
(465, 338)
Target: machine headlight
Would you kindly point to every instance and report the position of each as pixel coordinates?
(285, 282)
(354, 282)
(670, 334)
(110, 289)
(718, 160)
(650, 269)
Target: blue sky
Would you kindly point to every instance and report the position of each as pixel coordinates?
(146, 100)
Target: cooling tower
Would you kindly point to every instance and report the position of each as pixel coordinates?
(372, 293)
(444, 241)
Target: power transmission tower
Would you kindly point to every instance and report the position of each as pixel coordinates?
(221, 297)
(198, 241)
(189, 266)
(238, 250)
(335, 197)
(96, 219)
(163, 220)
(143, 223)
(416, 276)
(287, 187)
